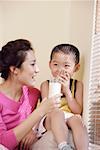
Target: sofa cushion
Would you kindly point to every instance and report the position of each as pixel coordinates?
(47, 142)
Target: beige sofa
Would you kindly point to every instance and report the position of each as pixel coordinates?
(47, 142)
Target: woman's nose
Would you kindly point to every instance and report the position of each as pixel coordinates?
(37, 69)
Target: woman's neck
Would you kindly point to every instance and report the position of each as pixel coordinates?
(11, 89)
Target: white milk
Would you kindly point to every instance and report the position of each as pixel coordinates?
(54, 88)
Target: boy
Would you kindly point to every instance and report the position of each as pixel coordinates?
(64, 62)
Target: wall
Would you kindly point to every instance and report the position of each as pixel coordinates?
(81, 20)
(1, 26)
(46, 24)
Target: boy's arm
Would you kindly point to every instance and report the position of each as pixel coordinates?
(79, 94)
(44, 88)
(75, 104)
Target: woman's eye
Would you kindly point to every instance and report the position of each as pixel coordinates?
(33, 64)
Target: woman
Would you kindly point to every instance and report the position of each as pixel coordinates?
(18, 97)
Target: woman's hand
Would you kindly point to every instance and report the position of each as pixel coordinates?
(28, 140)
(49, 104)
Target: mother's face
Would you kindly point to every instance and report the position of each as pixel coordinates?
(28, 70)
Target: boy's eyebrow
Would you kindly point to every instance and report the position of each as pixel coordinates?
(67, 62)
(55, 61)
(58, 61)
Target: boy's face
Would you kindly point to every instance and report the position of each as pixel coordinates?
(60, 62)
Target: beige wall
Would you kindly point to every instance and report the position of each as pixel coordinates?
(46, 24)
(1, 26)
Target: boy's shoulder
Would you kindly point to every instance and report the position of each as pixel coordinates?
(79, 86)
(45, 82)
(77, 83)
(76, 80)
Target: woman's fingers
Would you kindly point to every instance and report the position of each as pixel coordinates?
(49, 104)
(56, 97)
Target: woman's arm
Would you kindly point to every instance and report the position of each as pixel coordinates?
(11, 138)
(7, 137)
(45, 107)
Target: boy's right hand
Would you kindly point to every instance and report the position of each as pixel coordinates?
(49, 104)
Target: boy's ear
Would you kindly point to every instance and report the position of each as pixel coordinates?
(13, 69)
(49, 64)
(77, 67)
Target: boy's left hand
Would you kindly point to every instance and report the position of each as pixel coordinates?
(64, 79)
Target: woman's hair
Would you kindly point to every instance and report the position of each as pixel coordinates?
(13, 54)
(66, 49)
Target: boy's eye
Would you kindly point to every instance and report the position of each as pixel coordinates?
(67, 65)
(55, 64)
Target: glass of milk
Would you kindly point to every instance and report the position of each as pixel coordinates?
(54, 88)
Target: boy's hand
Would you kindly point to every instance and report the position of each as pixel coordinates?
(64, 79)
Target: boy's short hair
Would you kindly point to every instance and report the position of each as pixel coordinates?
(66, 49)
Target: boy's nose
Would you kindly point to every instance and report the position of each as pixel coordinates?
(60, 68)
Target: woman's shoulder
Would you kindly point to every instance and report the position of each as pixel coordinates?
(33, 95)
(32, 91)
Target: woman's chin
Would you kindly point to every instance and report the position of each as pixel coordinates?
(32, 83)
